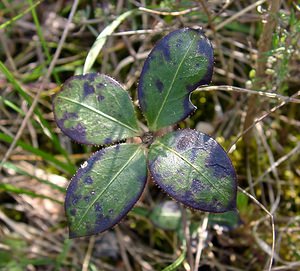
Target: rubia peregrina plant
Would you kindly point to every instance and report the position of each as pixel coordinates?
(188, 165)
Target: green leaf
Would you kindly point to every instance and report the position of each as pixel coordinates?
(228, 220)
(105, 189)
(166, 215)
(195, 170)
(177, 65)
(95, 109)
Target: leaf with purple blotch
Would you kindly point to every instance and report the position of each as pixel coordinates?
(95, 109)
(105, 189)
(177, 65)
(195, 170)
(227, 221)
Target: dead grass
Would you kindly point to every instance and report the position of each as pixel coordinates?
(42, 46)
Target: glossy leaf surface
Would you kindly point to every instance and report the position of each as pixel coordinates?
(105, 189)
(177, 65)
(95, 109)
(195, 170)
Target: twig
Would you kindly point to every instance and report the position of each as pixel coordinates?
(264, 45)
(272, 223)
(249, 91)
(186, 232)
(202, 234)
(272, 110)
(45, 79)
(140, 31)
(274, 165)
(123, 249)
(239, 14)
(166, 13)
(86, 261)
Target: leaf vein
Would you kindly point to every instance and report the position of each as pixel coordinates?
(99, 113)
(172, 83)
(194, 167)
(104, 190)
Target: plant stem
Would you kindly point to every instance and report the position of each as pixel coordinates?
(186, 232)
(264, 45)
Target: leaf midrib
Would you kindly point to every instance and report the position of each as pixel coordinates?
(105, 189)
(190, 164)
(99, 113)
(172, 84)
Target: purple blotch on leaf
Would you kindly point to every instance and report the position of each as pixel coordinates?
(102, 223)
(73, 212)
(205, 48)
(87, 199)
(141, 93)
(219, 163)
(69, 115)
(100, 98)
(183, 143)
(75, 199)
(187, 140)
(164, 46)
(87, 89)
(73, 185)
(78, 132)
(71, 191)
(107, 141)
(100, 85)
(88, 180)
(159, 85)
(98, 208)
(89, 76)
(198, 186)
(179, 43)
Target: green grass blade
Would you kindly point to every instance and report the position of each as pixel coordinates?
(42, 39)
(9, 165)
(63, 255)
(101, 39)
(12, 106)
(46, 156)
(177, 263)
(19, 16)
(16, 190)
(44, 124)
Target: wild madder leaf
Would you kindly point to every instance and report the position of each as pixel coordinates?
(166, 215)
(195, 170)
(95, 109)
(227, 221)
(177, 65)
(105, 189)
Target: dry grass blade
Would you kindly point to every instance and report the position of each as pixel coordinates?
(256, 55)
(45, 79)
(272, 225)
(101, 39)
